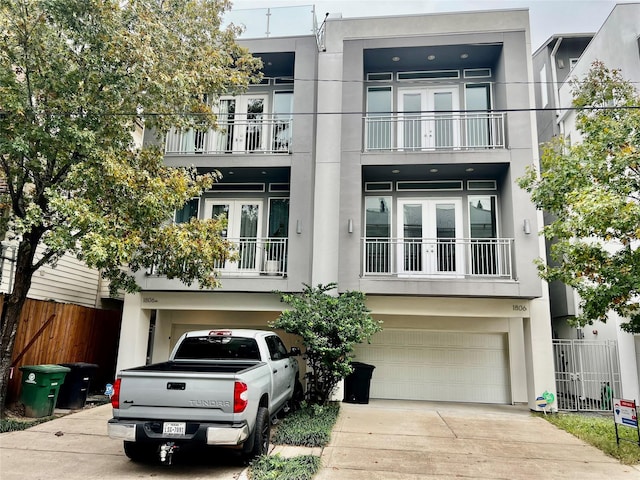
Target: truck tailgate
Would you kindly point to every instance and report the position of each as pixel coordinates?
(177, 395)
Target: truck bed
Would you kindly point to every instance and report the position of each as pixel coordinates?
(200, 366)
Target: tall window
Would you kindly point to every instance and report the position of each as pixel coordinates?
(477, 97)
(379, 121)
(189, 211)
(483, 227)
(282, 116)
(378, 234)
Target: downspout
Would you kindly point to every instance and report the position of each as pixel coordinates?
(554, 80)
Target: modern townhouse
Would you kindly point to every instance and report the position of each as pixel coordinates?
(382, 154)
(602, 355)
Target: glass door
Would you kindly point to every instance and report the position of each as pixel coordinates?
(427, 120)
(242, 122)
(427, 231)
(243, 229)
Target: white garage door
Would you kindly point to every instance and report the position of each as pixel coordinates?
(440, 366)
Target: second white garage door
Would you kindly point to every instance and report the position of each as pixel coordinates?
(439, 366)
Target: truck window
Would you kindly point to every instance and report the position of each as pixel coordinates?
(218, 348)
(277, 350)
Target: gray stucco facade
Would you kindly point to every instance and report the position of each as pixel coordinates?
(398, 178)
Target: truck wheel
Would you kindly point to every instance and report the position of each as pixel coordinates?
(139, 452)
(298, 395)
(261, 435)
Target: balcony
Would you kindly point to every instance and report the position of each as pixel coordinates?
(243, 136)
(251, 257)
(489, 258)
(418, 132)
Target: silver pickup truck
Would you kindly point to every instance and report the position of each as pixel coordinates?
(219, 387)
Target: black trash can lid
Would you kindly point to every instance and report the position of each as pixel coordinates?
(364, 366)
(79, 365)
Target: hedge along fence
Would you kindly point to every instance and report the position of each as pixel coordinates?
(52, 333)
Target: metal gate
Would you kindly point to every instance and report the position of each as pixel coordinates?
(587, 374)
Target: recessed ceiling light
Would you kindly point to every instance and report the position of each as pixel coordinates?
(433, 170)
(395, 59)
(395, 171)
(431, 57)
(470, 169)
(264, 173)
(269, 63)
(230, 172)
(464, 55)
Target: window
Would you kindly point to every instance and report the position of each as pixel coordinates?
(218, 348)
(189, 211)
(483, 227)
(478, 124)
(277, 350)
(379, 121)
(282, 121)
(544, 96)
(378, 234)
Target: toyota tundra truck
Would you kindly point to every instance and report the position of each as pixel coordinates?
(219, 387)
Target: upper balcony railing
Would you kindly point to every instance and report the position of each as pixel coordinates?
(264, 135)
(411, 132)
(438, 257)
(251, 257)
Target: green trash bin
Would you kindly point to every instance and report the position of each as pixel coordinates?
(40, 387)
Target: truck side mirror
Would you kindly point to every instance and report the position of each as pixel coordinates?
(295, 351)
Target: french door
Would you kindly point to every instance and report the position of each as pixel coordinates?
(243, 124)
(426, 119)
(427, 233)
(243, 229)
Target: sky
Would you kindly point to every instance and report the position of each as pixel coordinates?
(547, 17)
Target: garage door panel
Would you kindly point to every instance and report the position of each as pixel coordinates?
(446, 366)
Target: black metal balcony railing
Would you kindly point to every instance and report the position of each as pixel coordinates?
(440, 131)
(241, 135)
(251, 257)
(448, 257)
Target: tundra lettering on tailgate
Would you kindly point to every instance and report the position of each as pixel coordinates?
(209, 403)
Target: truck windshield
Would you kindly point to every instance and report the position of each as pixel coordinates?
(218, 348)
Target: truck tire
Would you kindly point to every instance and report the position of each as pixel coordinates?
(140, 452)
(298, 395)
(261, 435)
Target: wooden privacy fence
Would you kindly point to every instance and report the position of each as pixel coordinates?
(52, 333)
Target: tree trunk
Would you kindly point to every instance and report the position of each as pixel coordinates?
(10, 318)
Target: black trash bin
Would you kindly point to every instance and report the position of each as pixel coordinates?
(358, 384)
(74, 391)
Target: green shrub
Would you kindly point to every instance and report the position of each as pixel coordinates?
(309, 427)
(330, 325)
(276, 467)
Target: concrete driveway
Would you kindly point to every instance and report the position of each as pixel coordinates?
(420, 440)
(387, 440)
(85, 452)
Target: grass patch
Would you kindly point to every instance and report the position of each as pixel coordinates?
(601, 433)
(309, 427)
(276, 467)
(13, 425)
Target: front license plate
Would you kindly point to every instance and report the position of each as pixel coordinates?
(174, 428)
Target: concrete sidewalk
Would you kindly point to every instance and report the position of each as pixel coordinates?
(422, 440)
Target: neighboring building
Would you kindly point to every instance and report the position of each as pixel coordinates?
(382, 154)
(560, 59)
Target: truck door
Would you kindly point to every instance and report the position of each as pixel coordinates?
(281, 370)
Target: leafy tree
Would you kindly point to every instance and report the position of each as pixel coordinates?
(592, 189)
(330, 326)
(76, 77)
